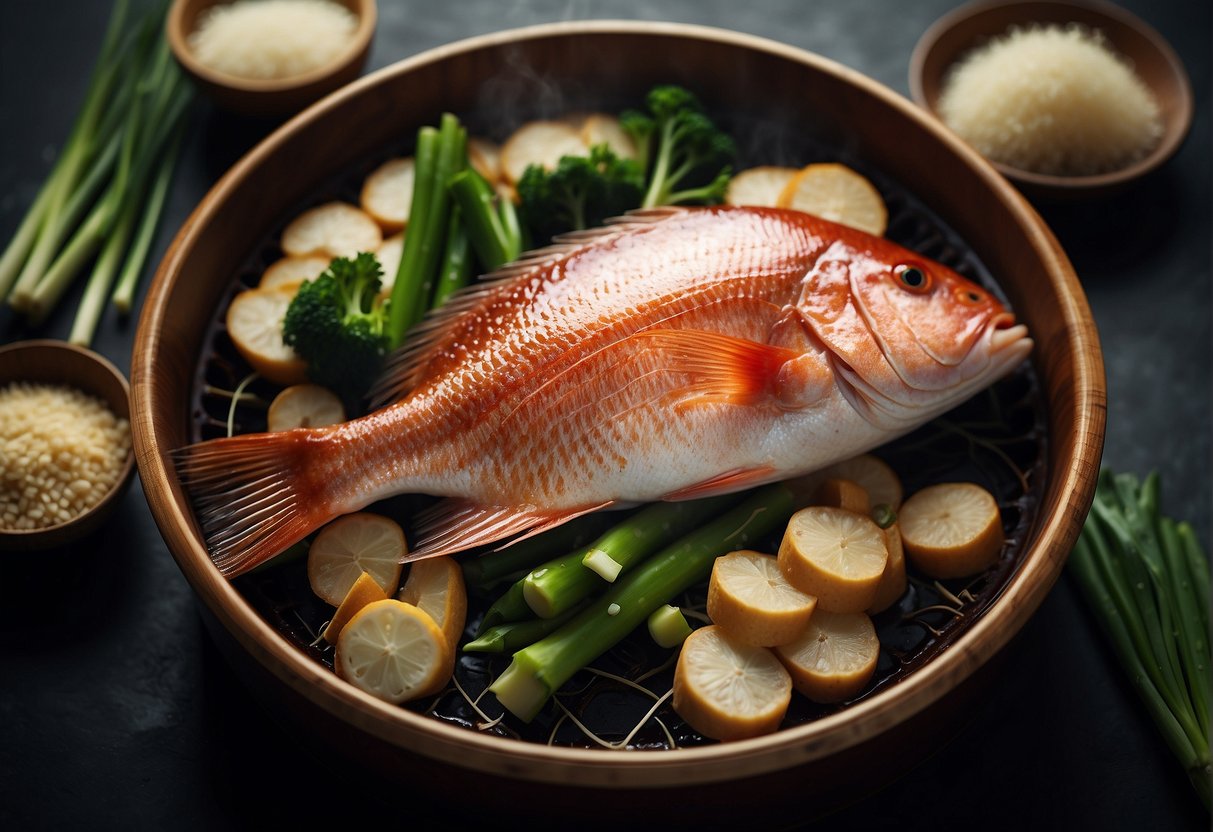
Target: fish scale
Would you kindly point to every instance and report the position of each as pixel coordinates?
(671, 355)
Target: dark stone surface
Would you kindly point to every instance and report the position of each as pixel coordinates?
(118, 712)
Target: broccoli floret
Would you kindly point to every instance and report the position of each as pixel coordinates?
(582, 192)
(680, 147)
(337, 324)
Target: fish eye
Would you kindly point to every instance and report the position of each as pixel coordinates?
(913, 278)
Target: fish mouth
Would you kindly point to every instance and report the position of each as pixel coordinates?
(1005, 334)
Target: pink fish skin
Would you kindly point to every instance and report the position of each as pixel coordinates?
(676, 353)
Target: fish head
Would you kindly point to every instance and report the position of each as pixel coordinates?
(909, 333)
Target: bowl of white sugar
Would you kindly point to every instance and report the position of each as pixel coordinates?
(1067, 98)
(270, 58)
(65, 443)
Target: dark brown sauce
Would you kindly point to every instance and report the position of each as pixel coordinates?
(997, 440)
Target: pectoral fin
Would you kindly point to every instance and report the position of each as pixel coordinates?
(737, 371)
(721, 368)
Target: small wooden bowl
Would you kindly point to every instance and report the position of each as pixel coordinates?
(1153, 59)
(58, 362)
(269, 97)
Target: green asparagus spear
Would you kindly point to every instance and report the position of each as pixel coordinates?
(539, 670)
(555, 587)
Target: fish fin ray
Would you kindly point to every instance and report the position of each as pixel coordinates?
(251, 496)
(725, 483)
(724, 368)
(454, 524)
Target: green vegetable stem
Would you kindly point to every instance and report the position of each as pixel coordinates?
(440, 153)
(105, 194)
(491, 223)
(514, 635)
(1146, 580)
(685, 156)
(513, 561)
(538, 670)
(558, 586)
(456, 268)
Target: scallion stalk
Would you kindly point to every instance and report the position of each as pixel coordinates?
(93, 200)
(539, 670)
(495, 237)
(456, 269)
(128, 280)
(1146, 581)
(440, 153)
(516, 559)
(554, 588)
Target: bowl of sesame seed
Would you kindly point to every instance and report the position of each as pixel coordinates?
(65, 443)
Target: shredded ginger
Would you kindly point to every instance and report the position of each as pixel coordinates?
(1052, 100)
(272, 39)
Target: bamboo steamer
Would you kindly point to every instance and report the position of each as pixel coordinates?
(818, 759)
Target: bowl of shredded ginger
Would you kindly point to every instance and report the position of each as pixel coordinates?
(66, 455)
(270, 58)
(1066, 98)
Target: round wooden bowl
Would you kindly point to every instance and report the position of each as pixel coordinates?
(268, 97)
(47, 361)
(498, 77)
(1152, 58)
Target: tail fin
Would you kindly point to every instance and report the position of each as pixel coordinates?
(252, 496)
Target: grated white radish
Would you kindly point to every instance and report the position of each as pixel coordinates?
(1051, 100)
(272, 39)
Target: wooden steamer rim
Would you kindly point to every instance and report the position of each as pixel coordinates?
(1067, 356)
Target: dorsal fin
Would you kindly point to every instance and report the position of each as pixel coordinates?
(403, 368)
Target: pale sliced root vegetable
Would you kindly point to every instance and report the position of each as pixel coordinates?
(872, 473)
(436, 586)
(835, 657)
(304, 406)
(292, 272)
(728, 690)
(760, 186)
(668, 626)
(750, 598)
(254, 323)
(602, 128)
(484, 156)
(836, 193)
(353, 544)
(539, 143)
(334, 229)
(951, 530)
(845, 494)
(837, 556)
(388, 254)
(893, 580)
(875, 475)
(393, 651)
(364, 591)
(387, 194)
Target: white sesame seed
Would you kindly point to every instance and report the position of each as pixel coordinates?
(62, 451)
